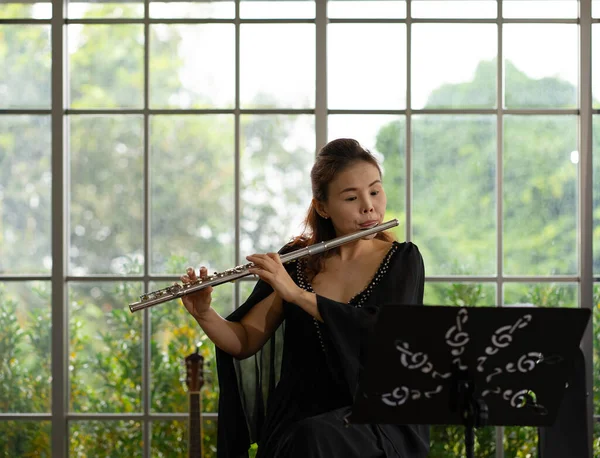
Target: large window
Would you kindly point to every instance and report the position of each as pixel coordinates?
(137, 138)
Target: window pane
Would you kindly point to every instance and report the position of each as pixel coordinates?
(455, 70)
(175, 335)
(460, 294)
(540, 195)
(596, 193)
(25, 10)
(117, 439)
(192, 66)
(106, 66)
(596, 334)
(540, 9)
(541, 65)
(385, 137)
(596, 443)
(106, 205)
(25, 438)
(105, 349)
(277, 154)
(25, 336)
(596, 65)
(449, 442)
(520, 441)
(362, 72)
(282, 9)
(192, 192)
(106, 9)
(25, 185)
(596, 8)
(25, 53)
(215, 9)
(448, 9)
(541, 294)
(170, 439)
(277, 65)
(365, 9)
(454, 193)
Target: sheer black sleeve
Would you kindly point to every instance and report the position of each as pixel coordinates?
(245, 385)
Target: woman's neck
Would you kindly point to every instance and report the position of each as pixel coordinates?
(353, 250)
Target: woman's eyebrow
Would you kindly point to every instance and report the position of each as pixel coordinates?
(354, 189)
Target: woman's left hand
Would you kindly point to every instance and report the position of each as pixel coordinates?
(269, 268)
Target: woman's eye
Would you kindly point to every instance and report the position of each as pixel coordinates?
(348, 199)
(374, 193)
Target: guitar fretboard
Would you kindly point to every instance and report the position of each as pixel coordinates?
(195, 430)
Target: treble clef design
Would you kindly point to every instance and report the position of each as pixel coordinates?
(503, 336)
(455, 336)
(417, 360)
(526, 363)
(412, 360)
(399, 396)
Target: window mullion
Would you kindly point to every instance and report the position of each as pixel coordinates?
(321, 74)
(586, 195)
(59, 351)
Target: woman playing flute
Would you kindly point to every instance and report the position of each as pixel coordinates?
(294, 406)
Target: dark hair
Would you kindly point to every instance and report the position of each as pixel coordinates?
(332, 159)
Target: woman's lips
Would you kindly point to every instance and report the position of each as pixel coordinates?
(368, 224)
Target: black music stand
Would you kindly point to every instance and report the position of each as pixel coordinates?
(470, 366)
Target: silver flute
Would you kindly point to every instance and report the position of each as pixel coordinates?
(176, 291)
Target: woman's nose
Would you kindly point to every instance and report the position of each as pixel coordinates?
(368, 206)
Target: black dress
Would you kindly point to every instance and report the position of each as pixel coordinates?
(296, 408)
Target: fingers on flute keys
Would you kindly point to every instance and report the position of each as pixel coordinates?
(191, 276)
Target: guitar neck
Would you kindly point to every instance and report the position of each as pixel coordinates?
(195, 426)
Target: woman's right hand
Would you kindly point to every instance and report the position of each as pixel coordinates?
(198, 302)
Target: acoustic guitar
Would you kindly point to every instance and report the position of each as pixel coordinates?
(194, 380)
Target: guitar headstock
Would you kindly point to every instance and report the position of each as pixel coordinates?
(194, 366)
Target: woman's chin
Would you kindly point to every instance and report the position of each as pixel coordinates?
(369, 236)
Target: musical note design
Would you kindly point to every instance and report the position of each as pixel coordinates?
(502, 338)
(457, 338)
(401, 394)
(417, 360)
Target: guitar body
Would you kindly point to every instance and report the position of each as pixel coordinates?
(195, 380)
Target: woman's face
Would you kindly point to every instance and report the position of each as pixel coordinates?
(356, 199)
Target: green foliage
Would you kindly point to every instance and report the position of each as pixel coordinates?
(24, 346)
(24, 375)
(596, 444)
(596, 366)
(478, 93)
(454, 182)
(25, 439)
(105, 439)
(105, 358)
(525, 92)
(105, 375)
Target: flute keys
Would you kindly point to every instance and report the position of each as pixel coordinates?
(175, 288)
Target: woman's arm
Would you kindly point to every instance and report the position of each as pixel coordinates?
(244, 338)
(240, 339)
(270, 269)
